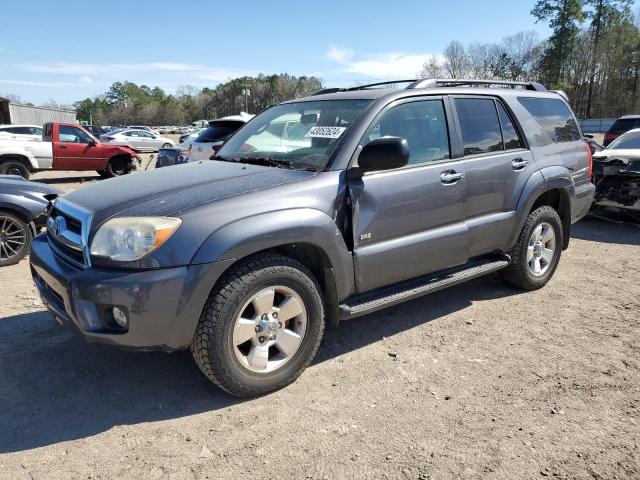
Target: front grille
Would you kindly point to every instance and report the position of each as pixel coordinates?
(67, 229)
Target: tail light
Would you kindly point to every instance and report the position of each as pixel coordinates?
(589, 160)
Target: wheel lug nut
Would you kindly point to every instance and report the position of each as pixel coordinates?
(279, 324)
(258, 328)
(274, 314)
(272, 337)
(262, 338)
(264, 316)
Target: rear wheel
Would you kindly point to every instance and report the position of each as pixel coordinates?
(14, 168)
(167, 145)
(537, 253)
(15, 239)
(261, 326)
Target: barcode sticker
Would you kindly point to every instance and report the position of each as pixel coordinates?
(325, 132)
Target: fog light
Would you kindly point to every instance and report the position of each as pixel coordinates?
(119, 317)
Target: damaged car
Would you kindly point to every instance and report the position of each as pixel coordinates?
(616, 174)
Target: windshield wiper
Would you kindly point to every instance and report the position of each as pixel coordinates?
(269, 162)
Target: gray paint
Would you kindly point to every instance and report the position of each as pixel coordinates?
(375, 229)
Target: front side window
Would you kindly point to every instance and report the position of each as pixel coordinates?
(71, 134)
(423, 124)
(479, 124)
(300, 135)
(554, 117)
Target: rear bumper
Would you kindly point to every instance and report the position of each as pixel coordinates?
(163, 305)
(582, 201)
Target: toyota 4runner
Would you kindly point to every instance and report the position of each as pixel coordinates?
(369, 197)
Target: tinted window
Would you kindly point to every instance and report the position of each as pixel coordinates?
(217, 132)
(554, 117)
(479, 124)
(71, 134)
(423, 124)
(623, 125)
(509, 133)
(628, 140)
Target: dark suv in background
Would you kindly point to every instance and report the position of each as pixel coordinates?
(620, 126)
(389, 195)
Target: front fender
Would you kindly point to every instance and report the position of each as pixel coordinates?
(260, 232)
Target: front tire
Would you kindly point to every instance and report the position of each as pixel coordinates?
(15, 239)
(14, 168)
(536, 255)
(167, 145)
(117, 167)
(261, 326)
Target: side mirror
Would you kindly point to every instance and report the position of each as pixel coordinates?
(385, 153)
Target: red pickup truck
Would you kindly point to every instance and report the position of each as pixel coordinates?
(65, 146)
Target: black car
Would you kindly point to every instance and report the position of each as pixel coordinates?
(94, 130)
(620, 126)
(22, 215)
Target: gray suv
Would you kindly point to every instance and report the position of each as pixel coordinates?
(318, 210)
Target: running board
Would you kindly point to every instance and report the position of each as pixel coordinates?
(384, 297)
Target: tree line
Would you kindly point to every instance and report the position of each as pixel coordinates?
(126, 103)
(593, 54)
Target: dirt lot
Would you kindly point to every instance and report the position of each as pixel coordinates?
(480, 381)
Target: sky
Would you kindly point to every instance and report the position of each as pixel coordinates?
(70, 50)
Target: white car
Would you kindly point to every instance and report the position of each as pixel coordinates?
(209, 141)
(20, 132)
(626, 145)
(141, 140)
(142, 127)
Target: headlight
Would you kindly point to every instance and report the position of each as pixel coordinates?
(131, 238)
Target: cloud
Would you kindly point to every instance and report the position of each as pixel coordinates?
(191, 70)
(392, 65)
(28, 83)
(339, 54)
(85, 79)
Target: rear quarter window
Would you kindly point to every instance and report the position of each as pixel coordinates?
(624, 125)
(554, 117)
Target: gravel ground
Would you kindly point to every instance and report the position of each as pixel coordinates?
(479, 381)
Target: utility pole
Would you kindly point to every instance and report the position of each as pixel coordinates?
(246, 92)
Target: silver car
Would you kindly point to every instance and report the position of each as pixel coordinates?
(140, 139)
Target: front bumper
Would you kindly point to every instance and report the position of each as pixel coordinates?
(163, 305)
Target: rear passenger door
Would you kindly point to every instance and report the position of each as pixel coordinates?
(497, 167)
(410, 221)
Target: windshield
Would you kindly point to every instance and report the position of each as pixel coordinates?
(627, 141)
(302, 135)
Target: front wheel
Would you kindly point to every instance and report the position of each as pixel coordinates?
(260, 327)
(15, 239)
(537, 252)
(117, 167)
(167, 145)
(14, 168)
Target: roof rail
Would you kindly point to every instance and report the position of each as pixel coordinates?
(462, 82)
(362, 87)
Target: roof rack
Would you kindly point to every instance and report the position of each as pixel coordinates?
(442, 82)
(463, 82)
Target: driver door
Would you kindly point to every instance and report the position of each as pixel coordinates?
(76, 150)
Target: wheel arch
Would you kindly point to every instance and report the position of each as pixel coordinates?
(20, 158)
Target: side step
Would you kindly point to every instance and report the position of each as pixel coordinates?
(384, 297)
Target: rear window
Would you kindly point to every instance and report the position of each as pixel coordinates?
(554, 117)
(624, 125)
(479, 124)
(218, 131)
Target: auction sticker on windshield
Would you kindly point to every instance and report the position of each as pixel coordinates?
(325, 132)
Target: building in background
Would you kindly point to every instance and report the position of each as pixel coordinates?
(17, 113)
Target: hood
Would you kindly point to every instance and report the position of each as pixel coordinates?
(617, 153)
(15, 183)
(171, 190)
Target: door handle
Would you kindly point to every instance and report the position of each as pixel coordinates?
(450, 176)
(62, 147)
(519, 163)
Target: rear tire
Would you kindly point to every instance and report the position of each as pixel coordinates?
(167, 145)
(247, 342)
(14, 168)
(15, 239)
(536, 255)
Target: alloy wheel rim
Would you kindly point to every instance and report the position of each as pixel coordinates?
(542, 249)
(13, 238)
(269, 329)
